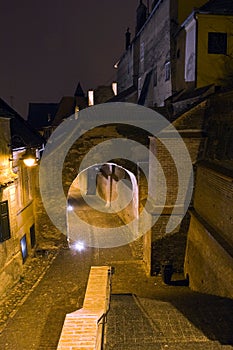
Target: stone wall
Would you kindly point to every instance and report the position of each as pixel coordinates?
(17, 188)
(125, 70)
(209, 253)
(213, 200)
(47, 235)
(169, 246)
(10, 255)
(208, 264)
(84, 328)
(155, 42)
(22, 220)
(110, 189)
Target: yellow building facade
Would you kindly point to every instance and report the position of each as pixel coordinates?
(214, 50)
(205, 51)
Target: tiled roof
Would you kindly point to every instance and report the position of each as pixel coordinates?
(218, 7)
(41, 114)
(22, 134)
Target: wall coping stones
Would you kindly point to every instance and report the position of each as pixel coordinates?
(84, 328)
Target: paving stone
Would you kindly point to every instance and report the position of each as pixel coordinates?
(145, 313)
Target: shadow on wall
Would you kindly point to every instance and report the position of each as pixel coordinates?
(169, 248)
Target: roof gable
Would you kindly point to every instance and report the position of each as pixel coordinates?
(41, 114)
(22, 134)
(218, 7)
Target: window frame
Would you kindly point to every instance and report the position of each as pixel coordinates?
(167, 70)
(5, 232)
(217, 43)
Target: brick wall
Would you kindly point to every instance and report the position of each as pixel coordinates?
(213, 200)
(208, 265)
(171, 245)
(84, 329)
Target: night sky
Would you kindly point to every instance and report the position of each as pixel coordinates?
(47, 46)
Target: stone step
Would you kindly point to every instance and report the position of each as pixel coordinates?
(211, 345)
(144, 324)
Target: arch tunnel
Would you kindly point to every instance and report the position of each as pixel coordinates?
(103, 205)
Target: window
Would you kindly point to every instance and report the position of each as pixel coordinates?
(139, 86)
(4, 222)
(155, 77)
(167, 70)
(142, 54)
(217, 43)
(32, 236)
(90, 97)
(23, 187)
(24, 250)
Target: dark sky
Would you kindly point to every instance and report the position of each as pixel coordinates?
(47, 46)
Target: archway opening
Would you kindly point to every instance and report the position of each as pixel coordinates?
(102, 196)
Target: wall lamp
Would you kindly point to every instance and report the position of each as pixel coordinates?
(29, 158)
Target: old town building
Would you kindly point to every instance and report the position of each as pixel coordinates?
(205, 46)
(181, 66)
(191, 47)
(17, 190)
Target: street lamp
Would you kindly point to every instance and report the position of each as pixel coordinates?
(29, 158)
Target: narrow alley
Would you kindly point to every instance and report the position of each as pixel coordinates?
(144, 312)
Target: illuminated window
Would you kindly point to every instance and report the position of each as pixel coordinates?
(24, 250)
(114, 88)
(90, 98)
(217, 43)
(167, 70)
(4, 222)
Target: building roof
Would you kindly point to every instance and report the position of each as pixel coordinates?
(122, 96)
(22, 134)
(218, 7)
(79, 91)
(67, 106)
(103, 93)
(65, 109)
(41, 114)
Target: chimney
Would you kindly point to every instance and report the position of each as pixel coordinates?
(127, 39)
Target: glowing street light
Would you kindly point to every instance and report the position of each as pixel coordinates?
(79, 246)
(29, 158)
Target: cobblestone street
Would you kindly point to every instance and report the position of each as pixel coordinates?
(144, 314)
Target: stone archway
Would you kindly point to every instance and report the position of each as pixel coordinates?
(96, 196)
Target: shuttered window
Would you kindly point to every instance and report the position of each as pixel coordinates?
(217, 43)
(4, 222)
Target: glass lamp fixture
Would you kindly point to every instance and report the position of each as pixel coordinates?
(29, 158)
